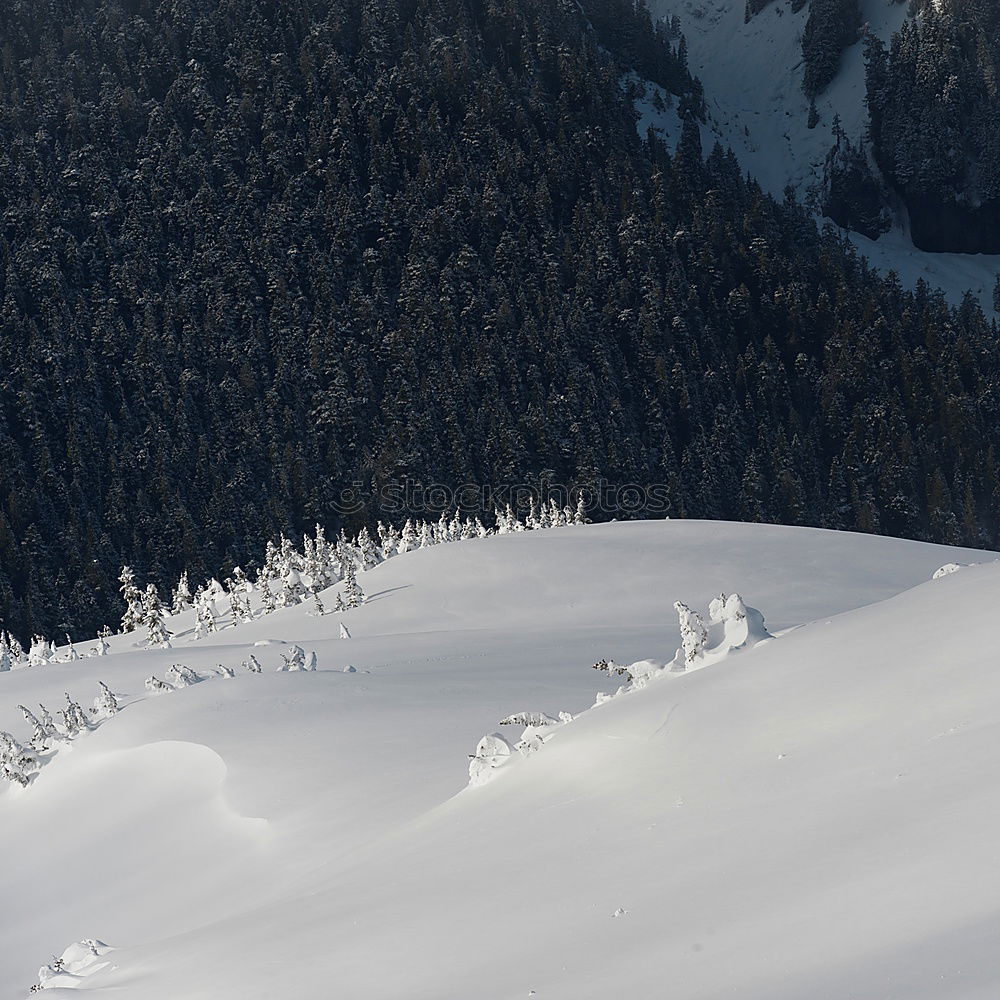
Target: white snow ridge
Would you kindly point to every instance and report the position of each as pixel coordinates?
(798, 810)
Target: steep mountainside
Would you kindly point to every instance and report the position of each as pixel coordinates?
(255, 255)
(935, 121)
(754, 64)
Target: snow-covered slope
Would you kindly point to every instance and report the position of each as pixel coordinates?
(752, 73)
(811, 817)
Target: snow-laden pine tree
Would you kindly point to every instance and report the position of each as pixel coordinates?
(105, 704)
(408, 538)
(181, 676)
(531, 522)
(318, 608)
(253, 664)
(154, 618)
(40, 653)
(354, 596)
(132, 596)
(16, 649)
(271, 558)
(367, 549)
(442, 533)
(694, 635)
(47, 724)
(71, 653)
(204, 614)
(182, 599)
(40, 735)
(16, 763)
(155, 686)
(295, 660)
(344, 633)
(267, 602)
(389, 540)
(74, 718)
(5, 661)
(544, 518)
(237, 590)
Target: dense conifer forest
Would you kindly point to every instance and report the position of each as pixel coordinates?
(934, 105)
(253, 253)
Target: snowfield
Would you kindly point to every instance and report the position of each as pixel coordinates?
(815, 816)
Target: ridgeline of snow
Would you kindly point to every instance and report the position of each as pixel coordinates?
(811, 817)
(752, 74)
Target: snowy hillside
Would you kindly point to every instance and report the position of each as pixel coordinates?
(752, 74)
(811, 817)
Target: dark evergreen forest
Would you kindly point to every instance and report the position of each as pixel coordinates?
(934, 104)
(253, 252)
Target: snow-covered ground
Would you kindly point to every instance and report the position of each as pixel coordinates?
(752, 74)
(815, 816)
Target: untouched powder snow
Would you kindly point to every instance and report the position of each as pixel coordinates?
(814, 816)
(752, 74)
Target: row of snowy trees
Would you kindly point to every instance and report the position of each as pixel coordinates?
(42, 651)
(18, 762)
(179, 676)
(289, 576)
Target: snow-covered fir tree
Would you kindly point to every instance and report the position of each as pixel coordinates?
(181, 676)
(354, 596)
(102, 641)
(267, 601)
(237, 590)
(318, 609)
(40, 653)
(16, 763)
(16, 649)
(154, 618)
(182, 599)
(204, 614)
(694, 635)
(388, 540)
(40, 734)
(408, 538)
(74, 718)
(105, 704)
(47, 723)
(295, 660)
(368, 550)
(132, 596)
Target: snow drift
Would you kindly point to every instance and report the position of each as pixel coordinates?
(813, 816)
